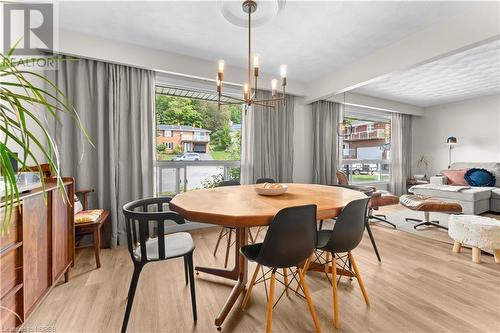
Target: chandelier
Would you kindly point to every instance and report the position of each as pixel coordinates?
(249, 95)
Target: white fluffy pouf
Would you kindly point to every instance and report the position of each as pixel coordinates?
(479, 232)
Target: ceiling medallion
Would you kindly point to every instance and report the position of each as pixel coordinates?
(249, 96)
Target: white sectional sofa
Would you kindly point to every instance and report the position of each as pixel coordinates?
(474, 200)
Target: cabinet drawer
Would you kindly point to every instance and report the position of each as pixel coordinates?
(11, 270)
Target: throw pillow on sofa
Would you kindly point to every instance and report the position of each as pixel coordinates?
(455, 177)
(480, 177)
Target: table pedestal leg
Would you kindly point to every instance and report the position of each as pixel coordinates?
(238, 273)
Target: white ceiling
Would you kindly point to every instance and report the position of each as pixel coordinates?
(312, 38)
(468, 74)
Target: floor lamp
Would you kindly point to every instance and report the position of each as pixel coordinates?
(451, 141)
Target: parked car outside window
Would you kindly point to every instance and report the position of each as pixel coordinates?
(187, 157)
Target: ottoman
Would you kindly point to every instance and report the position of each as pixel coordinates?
(477, 231)
(427, 204)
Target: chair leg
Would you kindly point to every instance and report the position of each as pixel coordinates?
(335, 293)
(259, 229)
(131, 294)
(97, 245)
(186, 269)
(309, 301)
(285, 280)
(218, 240)
(250, 287)
(270, 301)
(320, 225)
(228, 246)
(384, 220)
(305, 268)
(367, 225)
(358, 277)
(191, 285)
(326, 264)
(250, 236)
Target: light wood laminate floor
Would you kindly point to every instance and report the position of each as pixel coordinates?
(420, 286)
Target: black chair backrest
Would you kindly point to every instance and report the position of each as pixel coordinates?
(349, 226)
(264, 180)
(138, 220)
(229, 183)
(290, 238)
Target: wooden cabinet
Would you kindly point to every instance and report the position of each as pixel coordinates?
(60, 239)
(35, 252)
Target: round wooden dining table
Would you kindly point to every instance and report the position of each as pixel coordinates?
(241, 207)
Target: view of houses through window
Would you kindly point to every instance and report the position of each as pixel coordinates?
(197, 144)
(366, 149)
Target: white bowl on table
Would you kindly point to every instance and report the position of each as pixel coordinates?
(262, 190)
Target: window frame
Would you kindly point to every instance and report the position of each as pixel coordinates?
(383, 169)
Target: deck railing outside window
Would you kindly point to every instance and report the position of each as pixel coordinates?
(181, 176)
(366, 171)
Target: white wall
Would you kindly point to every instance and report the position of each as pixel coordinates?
(474, 122)
(302, 142)
(81, 45)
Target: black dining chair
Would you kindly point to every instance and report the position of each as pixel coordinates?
(226, 231)
(140, 223)
(264, 180)
(290, 240)
(368, 191)
(345, 236)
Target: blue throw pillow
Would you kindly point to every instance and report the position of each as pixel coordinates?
(479, 177)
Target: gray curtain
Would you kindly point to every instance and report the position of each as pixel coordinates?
(400, 152)
(267, 142)
(326, 142)
(116, 106)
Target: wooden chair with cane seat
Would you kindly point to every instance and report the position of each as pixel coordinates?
(87, 222)
(90, 222)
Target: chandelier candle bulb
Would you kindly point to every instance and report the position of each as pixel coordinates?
(245, 91)
(283, 75)
(256, 64)
(219, 85)
(274, 86)
(283, 71)
(220, 74)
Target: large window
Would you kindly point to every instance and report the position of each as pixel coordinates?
(366, 149)
(197, 144)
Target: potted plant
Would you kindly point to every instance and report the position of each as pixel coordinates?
(422, 166)
(23, 127)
